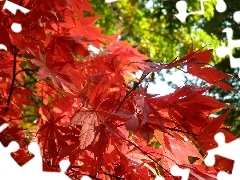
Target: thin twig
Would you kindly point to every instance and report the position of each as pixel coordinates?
(145, 153)
(15, 51)
(129, 92)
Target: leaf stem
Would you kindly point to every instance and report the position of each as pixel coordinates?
(129, 92)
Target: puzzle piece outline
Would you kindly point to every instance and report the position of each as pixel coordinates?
(227, 150)
(35, 166)
(182, 8)
(8, 165)
(221, 51)
(15, 27)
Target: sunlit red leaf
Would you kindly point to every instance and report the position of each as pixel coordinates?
(88, 119)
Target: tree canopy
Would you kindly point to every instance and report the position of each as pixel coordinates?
(77, 102)
(154, 27)
(151, 25)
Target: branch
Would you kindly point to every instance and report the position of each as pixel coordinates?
(129, 92)
(15, 51)
(23, 70)
(145, 153)
(142, 151)
(179, 130)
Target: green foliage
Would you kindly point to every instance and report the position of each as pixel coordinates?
(155, 29)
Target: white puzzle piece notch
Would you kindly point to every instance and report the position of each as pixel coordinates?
(32, 169)
(159, 178)
(181, 6)
(228, 150)
(236, 16)
(222, 51)
(12, 7)
(221, 6)
(16, 27)
(177, 171)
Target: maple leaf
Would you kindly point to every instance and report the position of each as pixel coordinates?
(210, 75)
(176, 150)
(132, 123)
(57, 78)
(208, 130)
(87, 118)
(196, 65)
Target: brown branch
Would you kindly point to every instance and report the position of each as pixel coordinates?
(15, 51)
(145, 153)
(142, 151)
(179, 130)
(23, 70)
(129, 92)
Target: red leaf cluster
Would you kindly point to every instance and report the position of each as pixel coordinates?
(79, 104)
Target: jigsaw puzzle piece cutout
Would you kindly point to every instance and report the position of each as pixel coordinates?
(224, 51)
(35, 164)
(45, 175)
(33, 169)
(12, 7)
(228, 150)
(52, 175)
(221, 6)
(7, 164)
(5, 153)
(85, 178)
(223, 176)
(4, 125)
(2, 46)
(16, 27)
(64, 164)
(236, 16)
(181, 6)
(177, 171)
